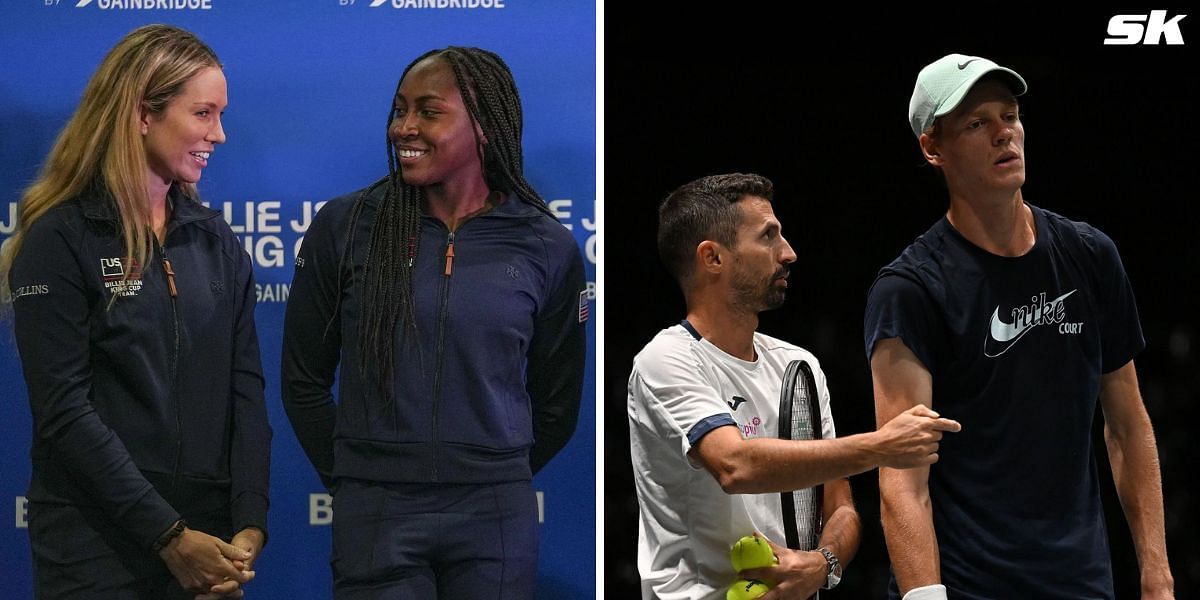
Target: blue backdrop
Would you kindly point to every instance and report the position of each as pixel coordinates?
(310, 85)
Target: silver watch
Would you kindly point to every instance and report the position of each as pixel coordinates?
(835, 569)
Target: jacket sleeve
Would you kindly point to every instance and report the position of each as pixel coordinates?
(52, 328)
(250, 454)
(555, 367)
(312, 343)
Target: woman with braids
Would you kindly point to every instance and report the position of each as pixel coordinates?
(450, 297)
(133, 308)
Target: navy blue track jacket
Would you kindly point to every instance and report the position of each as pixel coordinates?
(489, 389)
(148, 406)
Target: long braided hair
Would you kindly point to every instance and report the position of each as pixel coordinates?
(490, 95)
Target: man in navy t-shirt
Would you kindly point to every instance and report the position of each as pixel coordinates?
(1012, 320)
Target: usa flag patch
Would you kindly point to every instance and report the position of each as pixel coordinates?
(583, 306)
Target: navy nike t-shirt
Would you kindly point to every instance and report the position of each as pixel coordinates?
(1016, 348)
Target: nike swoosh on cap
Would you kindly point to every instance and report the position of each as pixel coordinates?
(962, 66)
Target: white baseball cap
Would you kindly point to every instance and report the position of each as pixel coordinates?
(943, 84)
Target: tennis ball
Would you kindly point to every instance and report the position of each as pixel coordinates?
(743, 589)
(751, 552)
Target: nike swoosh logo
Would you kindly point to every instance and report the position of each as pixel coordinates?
(737, 401)
(1004, 332)
(962, 66)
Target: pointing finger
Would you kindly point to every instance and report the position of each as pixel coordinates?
(947, 425)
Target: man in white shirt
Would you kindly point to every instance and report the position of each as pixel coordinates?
(703, 409)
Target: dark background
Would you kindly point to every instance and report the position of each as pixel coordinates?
(818, 103)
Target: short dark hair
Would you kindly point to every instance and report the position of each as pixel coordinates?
(701, 210)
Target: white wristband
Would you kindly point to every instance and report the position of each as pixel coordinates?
(929, 592)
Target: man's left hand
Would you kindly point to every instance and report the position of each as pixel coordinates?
(798, 575)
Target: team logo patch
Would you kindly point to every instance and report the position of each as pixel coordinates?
(118, 279)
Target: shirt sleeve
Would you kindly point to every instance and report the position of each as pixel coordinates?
(1120, 327)
(898, 307)
(556, 362)
(671, 389)
(312, 343)
(52, 330)
(828, 431)
(250, 452)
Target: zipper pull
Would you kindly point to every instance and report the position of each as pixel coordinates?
(449, 254)
(170, 277)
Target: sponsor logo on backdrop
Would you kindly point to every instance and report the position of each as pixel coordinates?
(140, 4)
(562, 209)
(9, 225)
(435, 4)
(272, 231)
(320, 509)
(22, 512)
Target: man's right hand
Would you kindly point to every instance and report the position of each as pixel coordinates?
(911, 439)
(200, 561)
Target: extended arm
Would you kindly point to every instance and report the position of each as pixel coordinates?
(763, 465)
(1133, 453)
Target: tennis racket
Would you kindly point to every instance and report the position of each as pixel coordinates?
(800, 419)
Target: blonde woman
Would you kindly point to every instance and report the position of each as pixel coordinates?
(133, 308)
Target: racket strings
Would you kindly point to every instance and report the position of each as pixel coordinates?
(805, 501)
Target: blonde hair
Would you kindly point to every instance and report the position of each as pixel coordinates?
(101, 146)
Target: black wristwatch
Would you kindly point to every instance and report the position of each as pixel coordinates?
(175, 531)
(835, 569)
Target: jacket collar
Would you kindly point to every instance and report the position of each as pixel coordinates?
(100, 206)
(512, 207)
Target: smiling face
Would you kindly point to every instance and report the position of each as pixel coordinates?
(179, 140)
(980, 146)
(760, 257)
(431, 130)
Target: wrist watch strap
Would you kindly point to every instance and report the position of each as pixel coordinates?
(175, 531)
(834, 575)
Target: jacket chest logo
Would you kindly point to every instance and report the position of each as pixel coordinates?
(121, 277)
